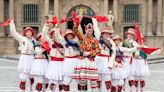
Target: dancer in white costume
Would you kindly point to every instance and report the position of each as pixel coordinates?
(55, 68)
(106, 57)
(141, 66)
(129, 57)
(41, 63)
(27, 53)
(118, 72)
(71, 54)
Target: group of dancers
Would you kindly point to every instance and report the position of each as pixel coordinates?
(97, 57)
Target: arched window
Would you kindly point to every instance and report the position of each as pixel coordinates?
(86, 11)
(81, 9)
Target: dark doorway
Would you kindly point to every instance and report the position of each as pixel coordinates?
(125, 30)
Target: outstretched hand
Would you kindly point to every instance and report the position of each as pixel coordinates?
(139, 47)
(6, 23)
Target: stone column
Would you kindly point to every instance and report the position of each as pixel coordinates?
(159, 17)
(46, 7)
(56, 8)
(106, 7)
(2, 17)
(150, 17)
(115, 9)
(115, 13)
(11, 8)
(163, 19)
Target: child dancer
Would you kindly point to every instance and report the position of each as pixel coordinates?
(129, 57)
(55, 68)
(41, 63)
(26, 59)
(106, 56)
(118, 72)
(71, 57)
(141, 66)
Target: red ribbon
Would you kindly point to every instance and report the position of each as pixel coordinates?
(6, 23)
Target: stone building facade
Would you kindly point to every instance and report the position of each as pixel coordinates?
(148, 14)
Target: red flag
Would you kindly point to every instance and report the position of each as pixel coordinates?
(149, 50)
(101, 18)
(63, 20)
(54, 20)
(6, 22)
(138, 34)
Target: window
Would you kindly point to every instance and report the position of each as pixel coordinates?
(30, 13)
(131, 12)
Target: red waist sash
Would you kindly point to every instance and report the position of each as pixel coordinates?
(57, 59)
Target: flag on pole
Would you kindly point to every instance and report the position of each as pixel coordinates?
(149, 50)
(138, 34)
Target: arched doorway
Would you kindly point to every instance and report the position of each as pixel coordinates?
(87, 13)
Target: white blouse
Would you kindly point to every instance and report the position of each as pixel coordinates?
(26, 45)
(54, 51)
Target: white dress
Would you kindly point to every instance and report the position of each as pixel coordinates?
(120, 72)
(55, 68)
(27, 50)
(141, 65)
(129, 60)
(70, 61)
(40, 64)
(104, 58)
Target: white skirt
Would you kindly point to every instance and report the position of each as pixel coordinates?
(25, 63)
(141, 68)
(102, 65)
(119, 73)
(129, 68)
(69, 66)
(55, 70)
(39, 67)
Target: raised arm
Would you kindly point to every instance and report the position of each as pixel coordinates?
(113, 56)
(45, 33)
(79, 33)
(97, 32)
(14, 33)
(60, 39)
(128, 50)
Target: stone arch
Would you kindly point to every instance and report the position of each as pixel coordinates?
(74, 3)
